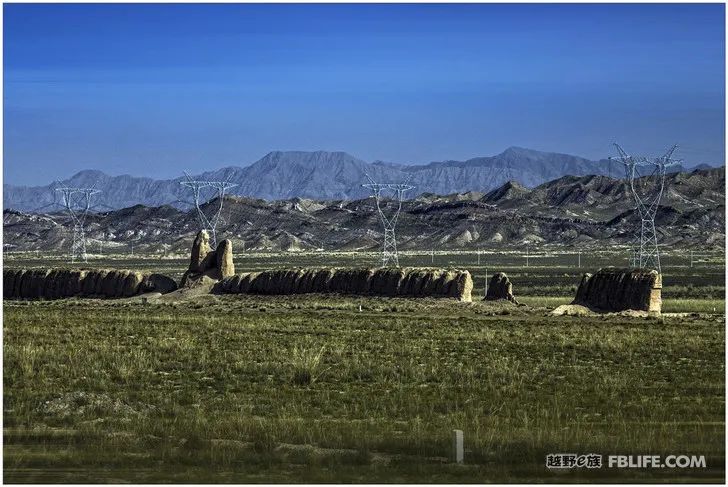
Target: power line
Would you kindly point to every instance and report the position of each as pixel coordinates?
(219, 188)
(77, 202)
(645, 179)
(389, 247)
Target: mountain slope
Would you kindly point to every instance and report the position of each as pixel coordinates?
(325, 176)
(585, 211)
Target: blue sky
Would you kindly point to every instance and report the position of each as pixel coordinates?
(156, 89)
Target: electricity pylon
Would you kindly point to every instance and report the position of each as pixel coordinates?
(389, 248)
(218, 192)
(645, 179)
(77, 202)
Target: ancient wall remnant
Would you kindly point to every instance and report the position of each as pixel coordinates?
(439, 283)
(613, 289)
(66, 283)
(500, 287)
(207, 265)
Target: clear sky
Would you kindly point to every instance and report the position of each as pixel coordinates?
(154, 89)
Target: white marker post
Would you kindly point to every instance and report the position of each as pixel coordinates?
(458, 454)
(486, 282)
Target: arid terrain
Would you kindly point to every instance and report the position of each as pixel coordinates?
(205, 387)
(588, 212)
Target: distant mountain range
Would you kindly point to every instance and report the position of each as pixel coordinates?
(583, 211)
(324, 176)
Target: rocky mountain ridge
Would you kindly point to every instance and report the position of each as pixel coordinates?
(572, 211)
(321, 175)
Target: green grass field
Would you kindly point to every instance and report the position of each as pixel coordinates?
(316, 389)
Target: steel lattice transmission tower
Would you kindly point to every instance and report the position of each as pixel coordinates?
(645, 179)
(218, 188)
(389, 248)
(77, 202)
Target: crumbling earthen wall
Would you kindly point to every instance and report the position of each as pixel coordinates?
(66, 283)
(208, 265)
(613, 289)
(500, 287)
(439, 283)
